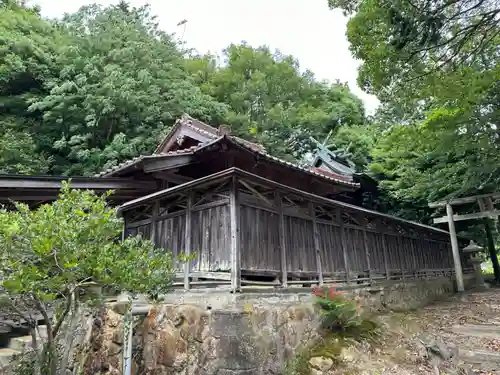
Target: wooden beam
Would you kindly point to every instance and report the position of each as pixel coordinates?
(172, 177)
(455, 249)
(458, 201)
(254, 191)
(188, 230)
(166, 163)
(317, 247)
(282, 234)
(91, 183)
(234, 210)
(477, 215)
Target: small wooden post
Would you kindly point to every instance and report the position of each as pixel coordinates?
(154, 218)
(367, 253)
(317, 248)
(188, 239)
(344, 251)
(455, 250)
(386, 257)
(235, 237)
(282, 233)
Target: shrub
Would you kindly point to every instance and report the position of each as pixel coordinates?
(341, 315)
(50, 254)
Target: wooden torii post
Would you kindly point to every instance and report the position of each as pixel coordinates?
(487, 210)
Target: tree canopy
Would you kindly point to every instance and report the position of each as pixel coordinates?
(103, 84)
(435, 66)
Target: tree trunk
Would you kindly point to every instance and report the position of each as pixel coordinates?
(491, 249)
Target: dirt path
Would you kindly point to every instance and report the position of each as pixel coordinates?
(457, 336)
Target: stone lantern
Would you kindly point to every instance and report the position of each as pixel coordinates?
(474, 251)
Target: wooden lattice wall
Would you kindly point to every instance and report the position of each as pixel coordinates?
(245, 230)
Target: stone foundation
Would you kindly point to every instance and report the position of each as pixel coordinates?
(216, 333)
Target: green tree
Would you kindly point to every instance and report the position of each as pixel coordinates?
(272, 101)
(28, 49)
(50, 254)
(121, 83)
(435, 67)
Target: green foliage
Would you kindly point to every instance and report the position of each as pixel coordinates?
(435, 67)
(359, 141)
(49, 255)
(340, 315)
(18, 151)
(73, 241)
(271, 101)
(103, 84)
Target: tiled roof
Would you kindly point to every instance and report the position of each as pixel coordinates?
(297, 167)
(193, 149)
(203, 129)
(212, 133)
(140, 158)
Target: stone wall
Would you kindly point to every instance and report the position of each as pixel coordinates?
(216, 333)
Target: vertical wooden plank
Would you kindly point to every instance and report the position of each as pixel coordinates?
(367, 254)
(317, 248)
(344, 250)
(188, 239)
(455, 250)
(154, 219)
(282, 234)
(386, 259)
(234, 213)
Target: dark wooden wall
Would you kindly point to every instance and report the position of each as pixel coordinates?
(345, 253)
(279, 240)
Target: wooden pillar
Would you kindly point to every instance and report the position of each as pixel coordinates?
(317, 248)
(282, 234)
(188, 231)
(344, 250)
(490, 229)
(234, 213)
(401, 255)
(386, 257)
(154, 218)
(124, 230)
(367, 254)
(455, 249)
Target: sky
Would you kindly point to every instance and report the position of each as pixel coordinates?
(306, 29)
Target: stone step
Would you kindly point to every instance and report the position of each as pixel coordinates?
(23, 342)
(7, 355)
(479, 357)
(478, 330)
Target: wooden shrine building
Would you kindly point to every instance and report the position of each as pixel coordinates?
(250, 218)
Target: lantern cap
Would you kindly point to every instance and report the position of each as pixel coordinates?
(472, 247)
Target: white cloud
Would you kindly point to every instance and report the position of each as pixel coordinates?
(305, 29)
